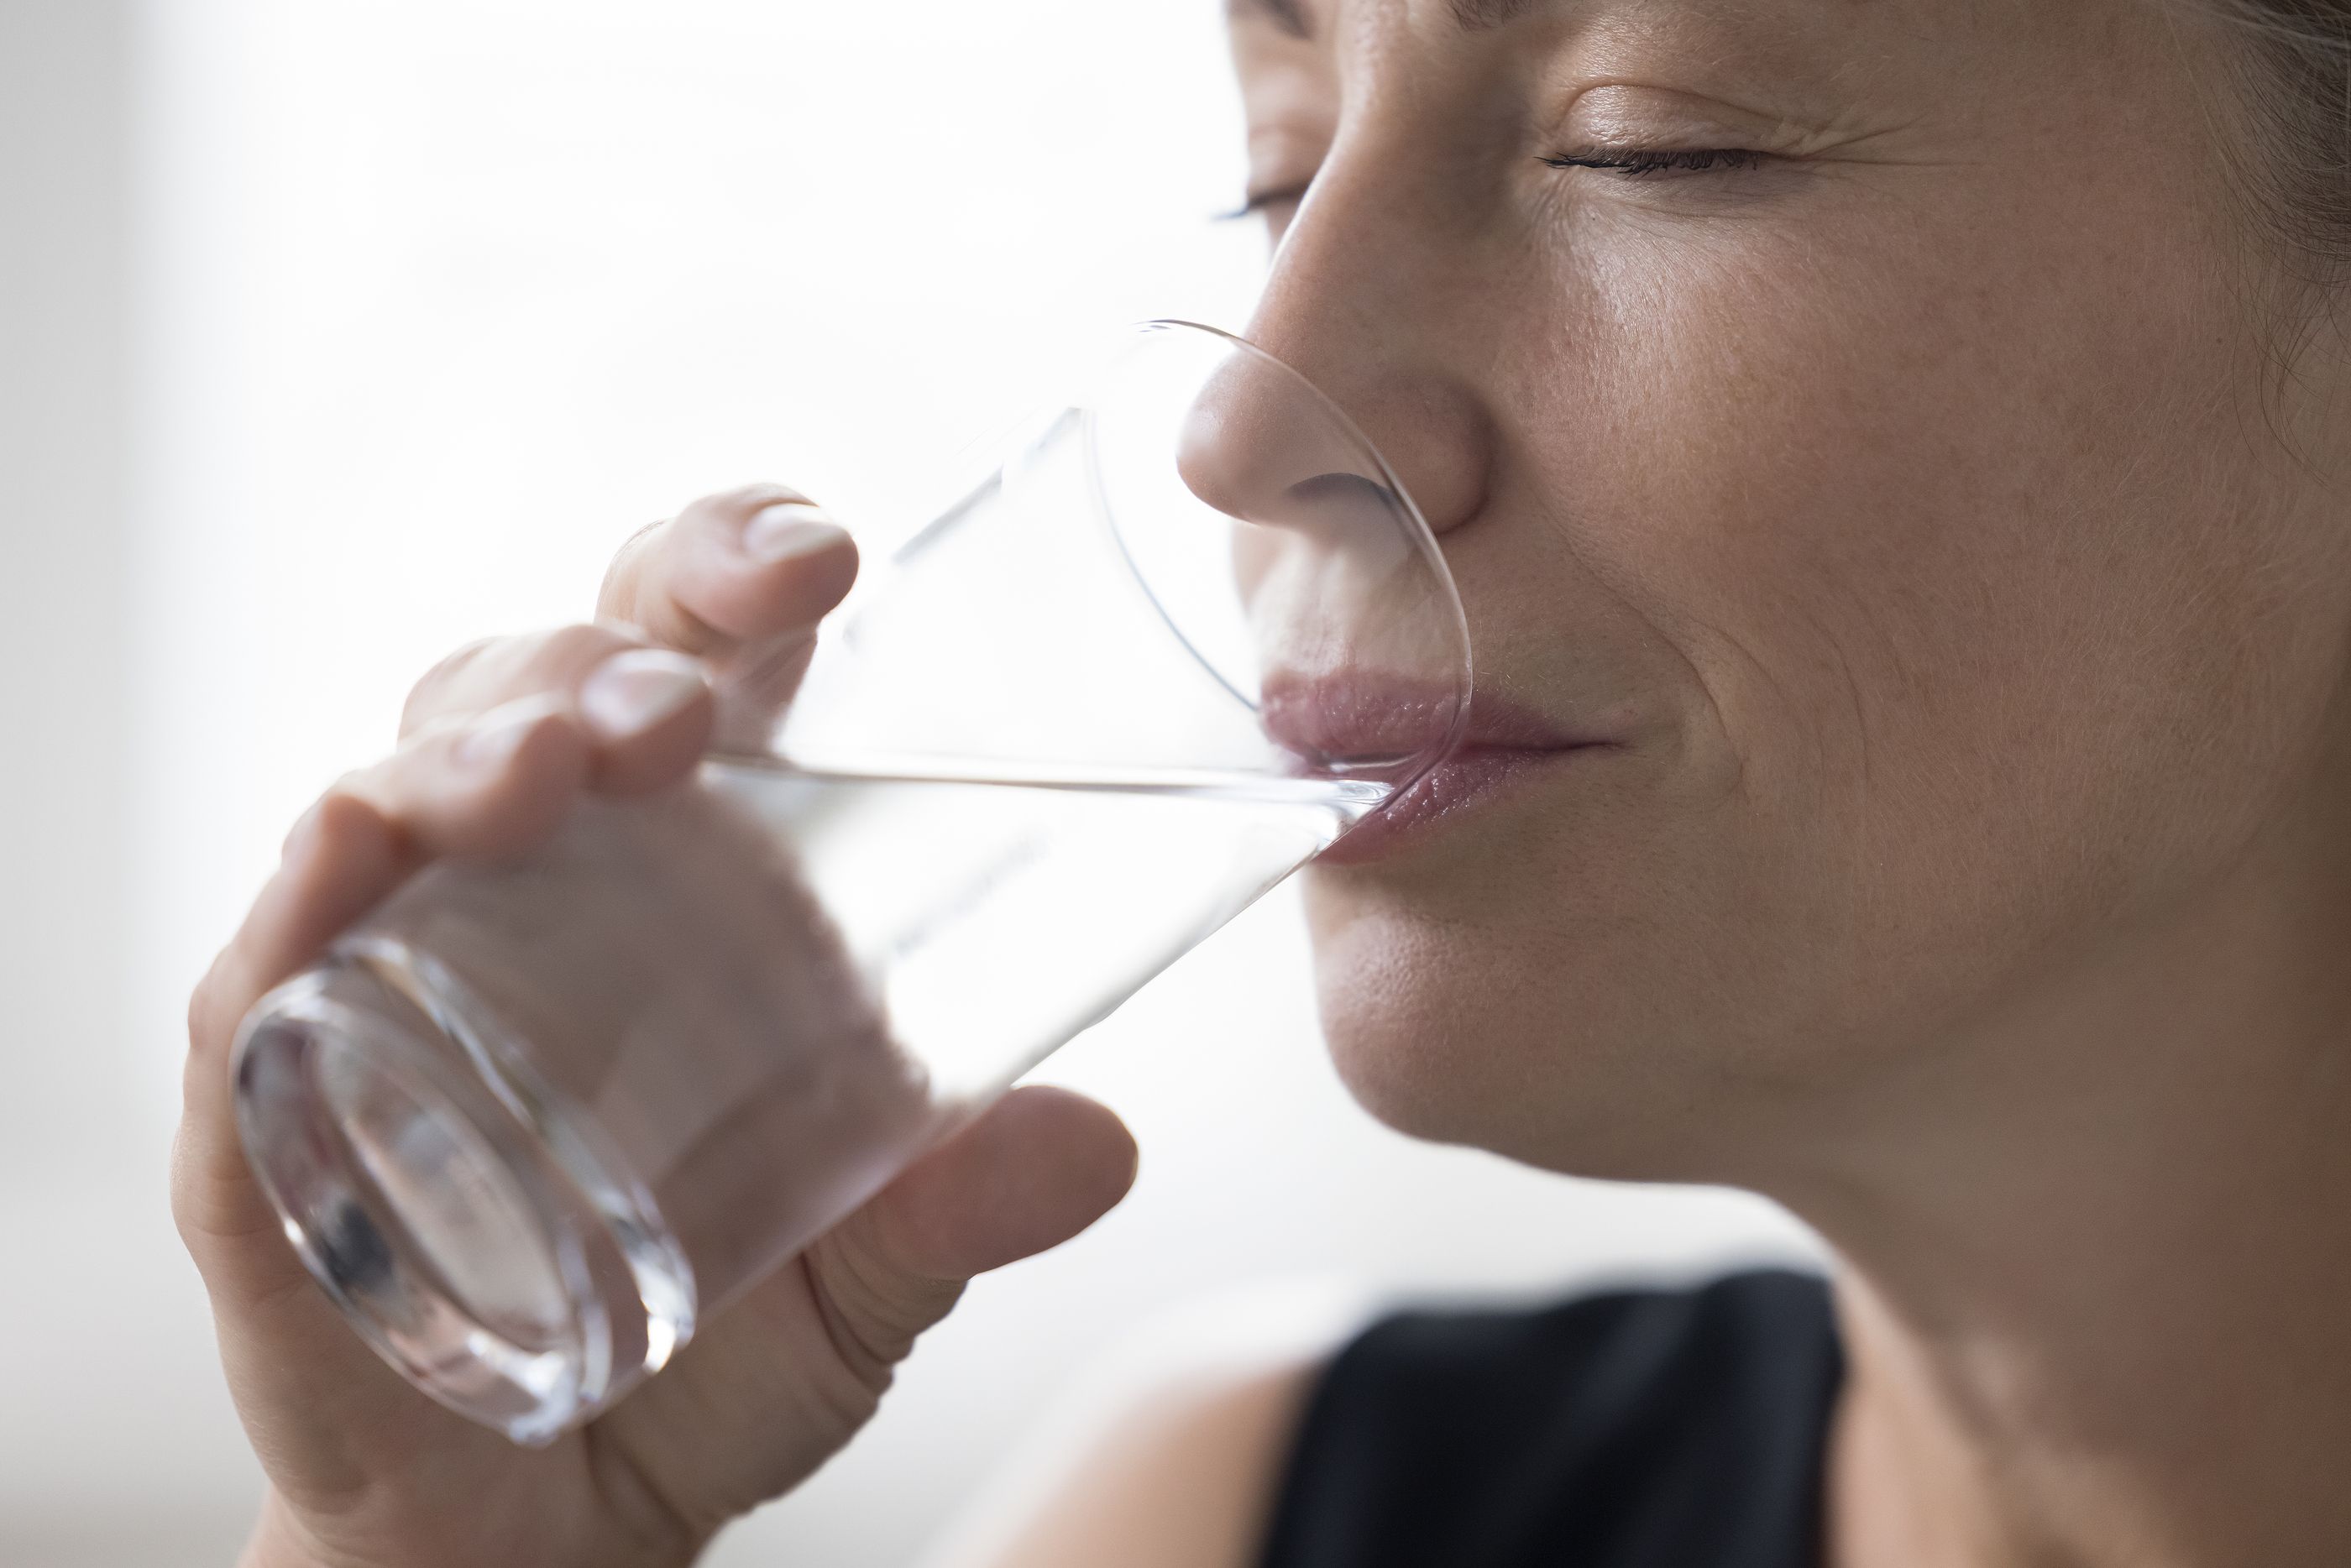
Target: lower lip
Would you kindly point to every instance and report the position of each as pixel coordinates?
(1454, 787)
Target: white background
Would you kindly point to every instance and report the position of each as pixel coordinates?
(334, 333)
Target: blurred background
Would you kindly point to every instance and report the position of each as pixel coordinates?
(335, 333)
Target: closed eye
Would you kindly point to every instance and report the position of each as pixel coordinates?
(1257, 202)
(1637, 162)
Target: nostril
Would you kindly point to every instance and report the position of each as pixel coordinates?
(1329, 507)
(1259, 447)
(1341, 489)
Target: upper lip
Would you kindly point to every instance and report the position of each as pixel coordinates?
(1366, 719)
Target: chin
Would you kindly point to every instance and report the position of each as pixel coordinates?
(1395, 1025)
(1435, 1035)
(1559, 1055)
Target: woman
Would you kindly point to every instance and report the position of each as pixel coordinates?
(1893, 455)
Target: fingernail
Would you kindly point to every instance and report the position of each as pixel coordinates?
(630, 692)
(789, 528)
(492, 738)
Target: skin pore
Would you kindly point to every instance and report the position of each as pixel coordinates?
(1865, 418)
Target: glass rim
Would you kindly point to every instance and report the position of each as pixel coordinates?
(1406, 512)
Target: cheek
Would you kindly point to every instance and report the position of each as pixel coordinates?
(1961, 539)
(1569, 984)
(1989, 630)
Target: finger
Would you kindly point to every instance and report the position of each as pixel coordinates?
(746, 567)
(773, 1386)
(322, 1407)
(481, 675)
(1041, 1166)
(648, 712)
(1038, 1167)
(312, 1391)
(339, 861)
(487, 789)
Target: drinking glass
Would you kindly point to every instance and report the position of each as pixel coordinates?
(532, 1121)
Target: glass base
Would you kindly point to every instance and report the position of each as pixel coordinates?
(464, 1223)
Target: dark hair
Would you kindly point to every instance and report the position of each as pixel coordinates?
(2294, 83)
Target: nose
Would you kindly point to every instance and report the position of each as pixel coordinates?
(1260, 444)
(1357, 305)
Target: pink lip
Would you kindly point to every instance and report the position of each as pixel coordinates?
(1368, 727)
(1360, 724)
(1456, 786)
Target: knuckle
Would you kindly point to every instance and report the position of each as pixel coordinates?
(355, 786)
(617, 594)
(500, 669)
(569, 649)
(430, 691)
(205, 1009)
(546, 663)
(873, 1310)
(459, 659)
(845, 1396)
(348, 808)
(185, 1218)
(357, 816)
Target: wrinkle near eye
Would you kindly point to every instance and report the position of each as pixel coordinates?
(1785, 71)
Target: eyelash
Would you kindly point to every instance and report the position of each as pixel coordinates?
(1636, 161)
(1631, 161)
(1257, 201)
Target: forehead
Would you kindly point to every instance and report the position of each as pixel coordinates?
(1876, 48)
(1308, 19)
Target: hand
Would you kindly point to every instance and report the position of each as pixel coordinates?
(496, 742)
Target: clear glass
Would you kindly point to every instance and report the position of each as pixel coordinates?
(532, 1122)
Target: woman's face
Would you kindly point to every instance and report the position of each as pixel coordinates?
(1859, 415)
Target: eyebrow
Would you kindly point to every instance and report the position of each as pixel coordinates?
(1287, 14)
(1470, 16)
(1481, 16)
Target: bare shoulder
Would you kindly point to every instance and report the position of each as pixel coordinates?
(1184, 1481)
(1169, 1455)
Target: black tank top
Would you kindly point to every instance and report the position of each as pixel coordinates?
(1634, 1430)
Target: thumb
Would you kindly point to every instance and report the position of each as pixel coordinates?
(1041, 1166)
(774, 1385)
